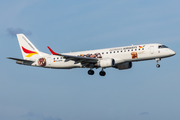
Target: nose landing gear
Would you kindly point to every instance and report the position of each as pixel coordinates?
(158, 65)
(157, 60)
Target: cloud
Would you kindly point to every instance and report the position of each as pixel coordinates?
(13, 31)
(35, 116)
(144, 113)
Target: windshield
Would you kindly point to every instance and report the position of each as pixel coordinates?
(162, 46)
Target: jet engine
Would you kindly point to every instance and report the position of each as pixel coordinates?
(104, 63)
(122, 66)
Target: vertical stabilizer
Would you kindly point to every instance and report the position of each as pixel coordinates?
(27, 48)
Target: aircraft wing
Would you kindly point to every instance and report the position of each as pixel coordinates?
(75, 58)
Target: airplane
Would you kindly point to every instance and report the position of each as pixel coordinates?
(119, 57)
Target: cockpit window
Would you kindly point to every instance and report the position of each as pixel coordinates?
(162, 46)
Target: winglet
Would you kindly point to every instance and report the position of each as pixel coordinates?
(54, 53)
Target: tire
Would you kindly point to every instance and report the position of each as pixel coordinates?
(158, 66)
(91, 72)
(102, 73)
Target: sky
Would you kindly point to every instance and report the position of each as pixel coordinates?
(143, 92)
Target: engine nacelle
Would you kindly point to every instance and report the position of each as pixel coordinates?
(122, 66)
(104, 63)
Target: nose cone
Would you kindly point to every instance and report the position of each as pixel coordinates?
(172, 52)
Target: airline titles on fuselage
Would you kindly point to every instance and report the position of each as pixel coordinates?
(125, 48)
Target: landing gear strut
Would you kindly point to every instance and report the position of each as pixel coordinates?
(157, 60)
(102, 73)
(91, 72)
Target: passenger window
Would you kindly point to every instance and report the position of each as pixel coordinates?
(110, 52)
(121, 51)
(142, 48)
(135, 49)
(114, 51)
(128, 50)
(102, 53)
(132, 50)
(124, 50)
(106, 52)
(139, 49)
(117, 51)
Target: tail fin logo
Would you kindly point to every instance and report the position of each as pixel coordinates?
(29, 52)
(141, 47)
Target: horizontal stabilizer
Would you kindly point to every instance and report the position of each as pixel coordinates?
(20, 59)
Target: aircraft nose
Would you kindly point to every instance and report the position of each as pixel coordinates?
(172, 52)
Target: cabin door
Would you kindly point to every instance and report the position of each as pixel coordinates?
(49, 60)
(151, 49)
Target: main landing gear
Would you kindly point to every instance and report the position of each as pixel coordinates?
(101, 73)
(157, 60)
(91, 72)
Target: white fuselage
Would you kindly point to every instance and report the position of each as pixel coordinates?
(119, 57)
(119, 54)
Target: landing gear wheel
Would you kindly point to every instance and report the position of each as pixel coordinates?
(158, 65)
(157, 60)
(91, 72)
(102, 73)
